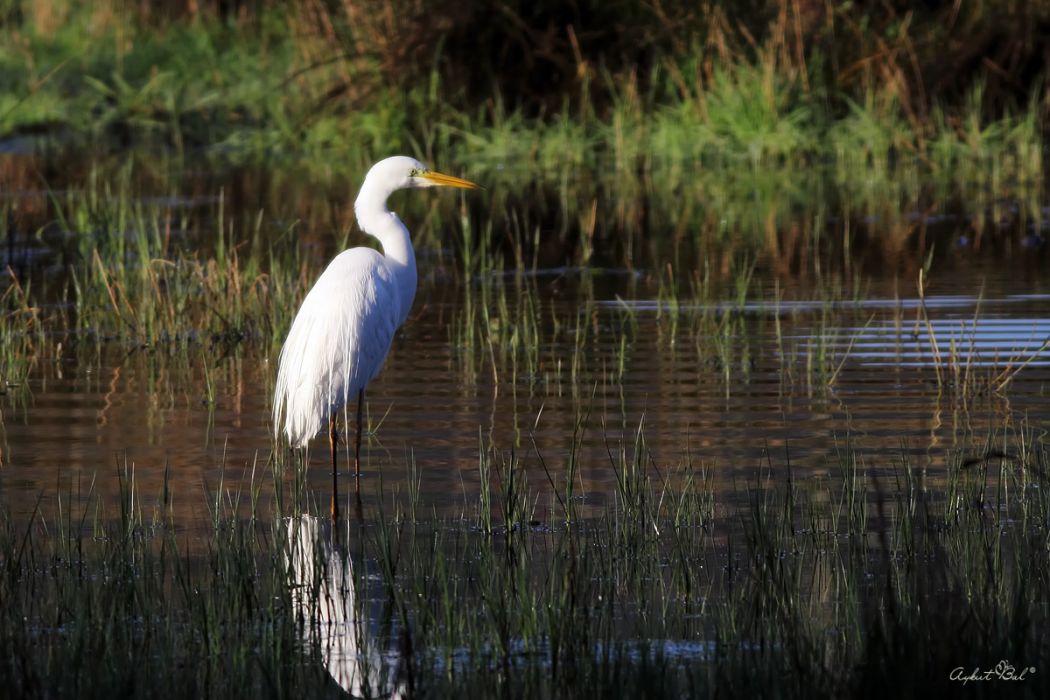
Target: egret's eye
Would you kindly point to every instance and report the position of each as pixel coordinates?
(416, 172)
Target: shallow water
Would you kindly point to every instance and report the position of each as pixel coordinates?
(791, 372)
(78, 421)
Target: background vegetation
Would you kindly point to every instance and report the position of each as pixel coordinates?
(760, 80)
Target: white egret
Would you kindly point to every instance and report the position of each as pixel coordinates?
(343, 330)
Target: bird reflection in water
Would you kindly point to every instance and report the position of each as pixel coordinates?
(323, 589)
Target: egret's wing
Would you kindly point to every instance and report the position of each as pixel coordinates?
(337, 343)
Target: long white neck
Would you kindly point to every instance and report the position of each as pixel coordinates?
(375, 219)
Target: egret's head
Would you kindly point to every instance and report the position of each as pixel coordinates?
(400, 172)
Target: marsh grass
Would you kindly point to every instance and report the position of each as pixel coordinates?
(147, 254)
(879, 576)
(98, 606)
(22, 335)
(136, 285)
(146, 271)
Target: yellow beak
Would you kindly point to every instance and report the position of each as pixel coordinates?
(448, 180)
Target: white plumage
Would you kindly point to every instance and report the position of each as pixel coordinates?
(337, 343)
(342, 333)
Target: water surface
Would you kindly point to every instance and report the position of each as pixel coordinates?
(813, 357)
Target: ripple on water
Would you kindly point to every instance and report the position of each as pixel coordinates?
(797, 380)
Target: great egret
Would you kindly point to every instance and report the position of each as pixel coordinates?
(343, 330)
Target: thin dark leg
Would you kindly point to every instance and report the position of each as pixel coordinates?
(333, 441)
(357, 450)
(358, 508)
